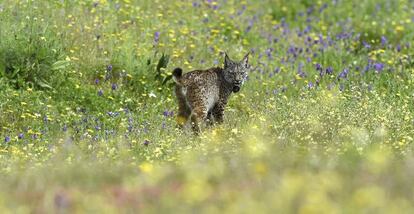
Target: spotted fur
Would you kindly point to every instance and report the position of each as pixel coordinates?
(203, 94)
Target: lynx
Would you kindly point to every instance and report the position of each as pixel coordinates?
(203, 94)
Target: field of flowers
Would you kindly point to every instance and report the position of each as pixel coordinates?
(324, 123)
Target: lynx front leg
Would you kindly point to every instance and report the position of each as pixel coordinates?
(210, 119)
(218, 113)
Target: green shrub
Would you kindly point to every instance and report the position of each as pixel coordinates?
(31, 56)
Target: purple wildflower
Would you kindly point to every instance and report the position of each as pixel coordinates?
(384, 40)
(307, 29)
(7, 139)
(114, 86)
(146, 142)
(309, 10)
(269, 52)
(398, 47)
(156, 37)
(344, 73)
(323, 7)
(96, 81)
(20, 136)
(329, 70)
(366, 45)
(113, 114)
(109, 68)
(310, 85)
(378, 66)
(302, 74)
(100, 92)
(318, 67)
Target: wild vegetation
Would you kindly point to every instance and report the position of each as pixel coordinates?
(324, 123)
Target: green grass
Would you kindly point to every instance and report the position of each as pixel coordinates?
(87, 125)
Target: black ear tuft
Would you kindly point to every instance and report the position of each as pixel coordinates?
(245, 60)
(227, 60)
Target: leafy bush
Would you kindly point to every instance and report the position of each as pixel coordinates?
(31, 56)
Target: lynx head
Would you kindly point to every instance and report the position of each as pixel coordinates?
(235, 73)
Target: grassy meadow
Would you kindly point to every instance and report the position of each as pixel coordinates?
(324, 123)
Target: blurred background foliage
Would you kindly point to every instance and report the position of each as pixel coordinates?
(324, 123)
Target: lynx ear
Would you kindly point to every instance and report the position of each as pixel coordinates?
(227, 60)
(245, 60)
